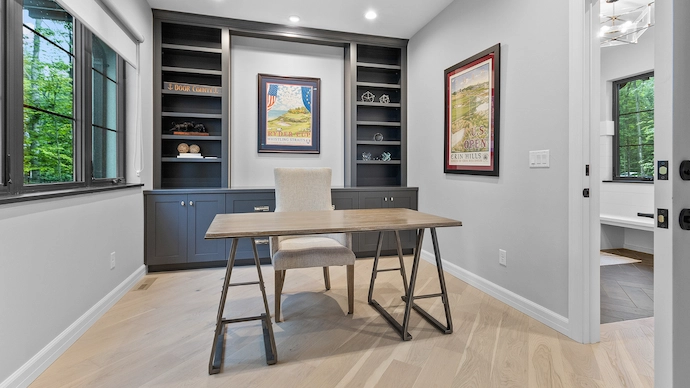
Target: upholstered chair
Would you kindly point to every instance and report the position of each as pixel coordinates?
(304, 190)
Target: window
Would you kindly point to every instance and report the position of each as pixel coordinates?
(60, 133)
(104, 118)
(49, 122)
(633, 114)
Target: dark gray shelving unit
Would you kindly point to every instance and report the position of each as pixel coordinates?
(189, 53)
(380, 70)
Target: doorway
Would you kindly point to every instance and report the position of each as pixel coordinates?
(626, 160)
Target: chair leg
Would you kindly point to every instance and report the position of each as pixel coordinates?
(351, 289)
(280, 280)
(327, 278)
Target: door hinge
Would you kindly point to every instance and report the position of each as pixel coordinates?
(586, 169)
(585, 193)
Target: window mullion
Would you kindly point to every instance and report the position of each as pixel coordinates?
(14, 87)
(82, 146)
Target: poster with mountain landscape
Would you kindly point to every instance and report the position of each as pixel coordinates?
(471, 115)
(288, 114)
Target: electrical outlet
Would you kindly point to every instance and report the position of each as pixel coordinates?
(112, 260)
(502, 257)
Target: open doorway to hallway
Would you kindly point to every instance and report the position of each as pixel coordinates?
(627, 160)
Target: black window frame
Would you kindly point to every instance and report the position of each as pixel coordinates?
(616, 140)
(12, 128)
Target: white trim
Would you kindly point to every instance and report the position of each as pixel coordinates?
(628, 222)
(28, 372)
(534, 310)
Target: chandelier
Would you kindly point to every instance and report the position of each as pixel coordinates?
(624, 21)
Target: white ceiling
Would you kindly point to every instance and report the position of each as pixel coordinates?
(396, 18)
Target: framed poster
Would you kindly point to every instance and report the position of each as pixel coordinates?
(288, 114)
(472, 114)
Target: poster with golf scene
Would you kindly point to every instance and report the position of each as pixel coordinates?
(288, 114)
(471, 122)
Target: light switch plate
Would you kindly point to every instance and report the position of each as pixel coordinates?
(539, 159)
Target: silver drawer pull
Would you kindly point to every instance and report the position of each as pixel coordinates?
(182, 203)
(391, 199)
(261, 242)
(261, 208)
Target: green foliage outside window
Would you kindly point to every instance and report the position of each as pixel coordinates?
(635, 127)
(48, 95)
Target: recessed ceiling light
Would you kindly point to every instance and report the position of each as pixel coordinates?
(294, 18)
(371, 15)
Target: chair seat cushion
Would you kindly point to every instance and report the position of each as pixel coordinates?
(306, 252)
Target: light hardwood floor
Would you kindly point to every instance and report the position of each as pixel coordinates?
(160, 336)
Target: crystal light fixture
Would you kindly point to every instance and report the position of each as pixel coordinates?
(624, 24)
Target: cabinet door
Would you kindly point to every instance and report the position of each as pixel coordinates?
(367, 241)
(402, 199)
(201, 209)
(248, 203)
(344, 200)
(166, 229)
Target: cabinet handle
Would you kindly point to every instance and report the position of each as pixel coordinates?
(191, 203)
(385, 199)
(182, 203)
(261, 209)
(391, 199)
(261, 242)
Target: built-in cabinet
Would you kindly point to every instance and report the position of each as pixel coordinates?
(191, 80)
(177, 220)
(175, 228)
(192, 110)
(379, 130)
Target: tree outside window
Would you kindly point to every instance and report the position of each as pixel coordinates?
(633, 110)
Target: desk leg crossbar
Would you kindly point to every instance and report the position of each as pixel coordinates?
(217, 349)
(409, 296)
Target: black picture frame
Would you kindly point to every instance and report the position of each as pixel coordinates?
(472, 101)
(289, 114)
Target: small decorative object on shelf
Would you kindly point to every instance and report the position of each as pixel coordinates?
(194, 149)
(189, 128)
(384, 99)
(386, 156)
(368, 97)
(378, 137)
(183, 148)
(366, 155)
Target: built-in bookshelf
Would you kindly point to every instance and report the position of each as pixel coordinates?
(379, 116)
(191, 107)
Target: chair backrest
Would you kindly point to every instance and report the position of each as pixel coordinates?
(303, 189)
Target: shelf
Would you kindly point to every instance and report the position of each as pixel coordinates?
(378, 66)
(378, 162)
(379, 143)
(378, 85)
(379, 104)
(191, 70)
(189, 160)
(190, 137)
(191, 48)
(195, 115)
(178, 93)
(380, 123)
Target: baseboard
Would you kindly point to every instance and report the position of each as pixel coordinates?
(534, 310)
(33, 368)
(639, 248)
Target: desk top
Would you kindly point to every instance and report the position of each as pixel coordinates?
(318, 222)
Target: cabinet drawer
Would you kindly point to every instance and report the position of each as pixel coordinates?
(263, 201)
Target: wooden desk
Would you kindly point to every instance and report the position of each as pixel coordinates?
(254, 225)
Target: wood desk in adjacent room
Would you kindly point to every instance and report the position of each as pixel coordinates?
(255, 225)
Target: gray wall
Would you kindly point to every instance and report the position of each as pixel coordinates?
(56, 253)
(524, 211)
(56, 265)
(252, 56)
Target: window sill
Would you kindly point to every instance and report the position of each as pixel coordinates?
(35, 196)
(630, 181)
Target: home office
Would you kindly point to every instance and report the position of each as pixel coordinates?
(76, 258)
